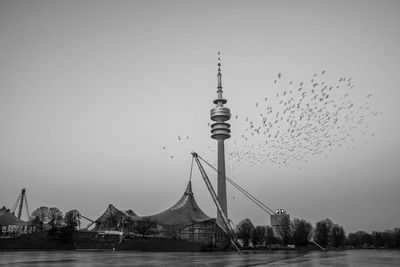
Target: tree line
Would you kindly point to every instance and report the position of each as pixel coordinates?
(54, 218)
(300, 233)
(56, 223)
(296, 232)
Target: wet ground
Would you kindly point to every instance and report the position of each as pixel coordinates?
(125, 258)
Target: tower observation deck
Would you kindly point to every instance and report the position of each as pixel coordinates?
(220, 130)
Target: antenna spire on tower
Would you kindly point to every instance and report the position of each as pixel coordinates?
(219, 87)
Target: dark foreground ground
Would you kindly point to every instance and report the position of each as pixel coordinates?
(130, 258)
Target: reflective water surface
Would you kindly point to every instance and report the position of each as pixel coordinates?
(129, 258)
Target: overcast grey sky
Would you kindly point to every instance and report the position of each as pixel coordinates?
(91, 91)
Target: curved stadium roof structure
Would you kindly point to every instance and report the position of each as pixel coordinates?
(184, 212)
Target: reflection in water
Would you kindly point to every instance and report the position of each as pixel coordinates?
(130, 258)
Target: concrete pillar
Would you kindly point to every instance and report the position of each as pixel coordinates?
(221, 181)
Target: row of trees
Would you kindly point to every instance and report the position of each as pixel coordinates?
(325, 233)
(386, 239)
(328, 234)
(257, 236)
(297, 232)
(55, 218)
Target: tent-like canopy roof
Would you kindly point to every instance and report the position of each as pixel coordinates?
(7, 218)
(112, 213)
(184, 212)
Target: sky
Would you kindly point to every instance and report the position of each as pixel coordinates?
(91, 92)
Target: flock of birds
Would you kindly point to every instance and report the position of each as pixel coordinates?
(303, 118)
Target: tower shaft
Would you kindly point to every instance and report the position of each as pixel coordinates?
(221, 179)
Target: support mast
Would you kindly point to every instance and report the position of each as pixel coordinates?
(21, 203)
(224, 218)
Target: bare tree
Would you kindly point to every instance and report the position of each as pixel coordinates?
(40, 216)
(337, 235)
(72, 219)
(322, 230)
(269, 235)
(301, 232)
(245, 229)
(258, 235)
(55, 217)
(388, 238)
(284, 231)
(354, 239)
(359, 239)
(396, 232)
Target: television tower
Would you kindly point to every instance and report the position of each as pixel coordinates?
(220, 130)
